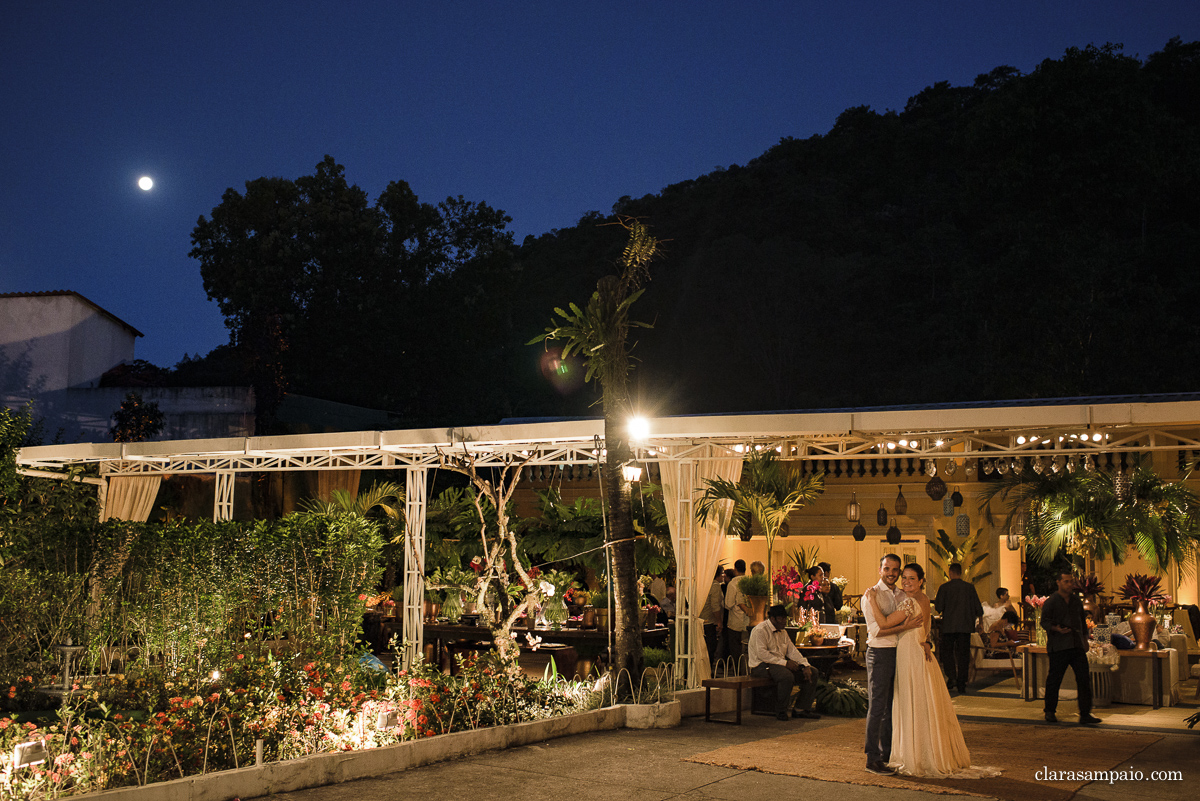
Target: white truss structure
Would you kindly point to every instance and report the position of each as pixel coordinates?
(983, 432)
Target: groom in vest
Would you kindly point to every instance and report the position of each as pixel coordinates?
(881, 664)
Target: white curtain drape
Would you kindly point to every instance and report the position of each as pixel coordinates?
(684, 471)
(130, 497)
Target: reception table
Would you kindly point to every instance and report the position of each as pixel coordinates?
(1142, 677)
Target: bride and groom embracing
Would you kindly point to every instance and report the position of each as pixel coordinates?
(911, 725)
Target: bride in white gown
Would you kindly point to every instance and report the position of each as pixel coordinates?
(926, 738)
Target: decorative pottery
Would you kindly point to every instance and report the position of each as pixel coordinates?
(817, 637)
(1141, 625)
(758, 608)
(1091, 607)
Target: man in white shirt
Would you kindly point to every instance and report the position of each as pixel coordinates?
(881, 663)
(773, 656)
(735, 627)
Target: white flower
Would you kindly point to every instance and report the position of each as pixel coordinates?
(547, 588)
(533, 640)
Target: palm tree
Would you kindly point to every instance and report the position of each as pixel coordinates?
(769, 491)
(1091, 514)
(599, 334)
(964, 555)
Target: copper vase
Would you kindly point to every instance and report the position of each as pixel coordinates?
(1141, 625)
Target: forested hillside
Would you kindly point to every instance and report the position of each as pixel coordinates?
(1027, 236)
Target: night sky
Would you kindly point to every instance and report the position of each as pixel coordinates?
(546, 110)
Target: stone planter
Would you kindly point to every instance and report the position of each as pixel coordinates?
(652, 716)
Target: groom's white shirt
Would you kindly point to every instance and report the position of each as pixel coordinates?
(888, 599)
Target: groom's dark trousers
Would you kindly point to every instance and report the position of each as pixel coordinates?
(881, 680)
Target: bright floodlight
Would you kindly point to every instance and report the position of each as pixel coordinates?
(146, 183)
(631, 473)
(639, 429)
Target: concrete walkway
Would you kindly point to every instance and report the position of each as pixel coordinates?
(631, 765)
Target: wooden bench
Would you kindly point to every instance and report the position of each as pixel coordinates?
(735, 683)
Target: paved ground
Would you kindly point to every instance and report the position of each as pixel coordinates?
(632, 765)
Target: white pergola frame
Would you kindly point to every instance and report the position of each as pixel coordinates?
(1108, 426)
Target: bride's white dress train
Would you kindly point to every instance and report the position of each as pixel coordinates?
(926, 738)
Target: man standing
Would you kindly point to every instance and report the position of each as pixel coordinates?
(773, 656)
(735, 627)
(712, 613)
(835, 592)
(881, 664)
(959, 605)
(1065, 622)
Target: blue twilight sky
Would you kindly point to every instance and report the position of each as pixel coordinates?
(544, 109)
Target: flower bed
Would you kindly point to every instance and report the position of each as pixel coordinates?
(293, 709)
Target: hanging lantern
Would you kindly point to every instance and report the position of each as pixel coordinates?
(853, 510)
(893, 535)
(962, 525)
(901, 502)
(947, 507)
(1020, 522)
(881, 517)
(785, 530)
(935, 488)
(859, 533)
(956, 498)
(1122, 485)
(1014, 541)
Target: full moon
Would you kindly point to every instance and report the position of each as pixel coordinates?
(146, 183)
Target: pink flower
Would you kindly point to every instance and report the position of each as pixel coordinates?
(362, 596)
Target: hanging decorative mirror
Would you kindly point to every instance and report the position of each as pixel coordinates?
(901, 502)
(881, 517)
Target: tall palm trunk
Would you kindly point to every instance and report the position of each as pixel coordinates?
(627, 610)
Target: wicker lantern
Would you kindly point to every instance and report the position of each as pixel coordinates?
(881, 517)
(893, 535)
(859, 533)
(901, 503)
(853, 510)
(935, 488)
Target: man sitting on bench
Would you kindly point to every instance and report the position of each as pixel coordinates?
(773, 656)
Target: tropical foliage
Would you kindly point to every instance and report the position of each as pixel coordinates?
(965, 554)
(1095, 515)
(770, 490)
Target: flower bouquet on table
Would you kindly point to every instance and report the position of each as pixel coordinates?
(1103, 653)
(840, 582)
(1036, 602)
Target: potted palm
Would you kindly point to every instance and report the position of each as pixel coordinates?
(757, 591)
(1140, 590)
(769, 490)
